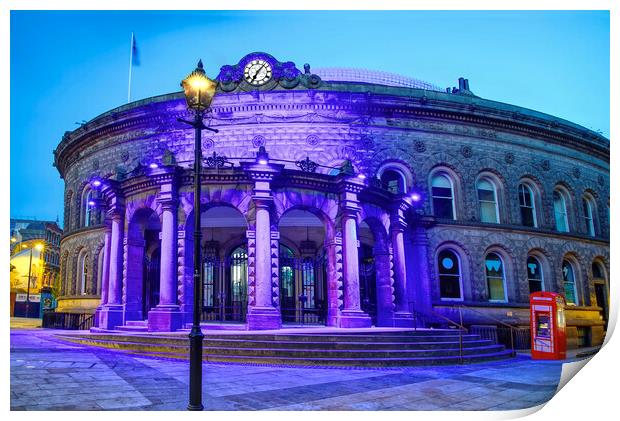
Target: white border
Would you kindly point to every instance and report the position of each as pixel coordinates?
(590, 395)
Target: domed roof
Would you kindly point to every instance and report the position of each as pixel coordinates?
(348, 74)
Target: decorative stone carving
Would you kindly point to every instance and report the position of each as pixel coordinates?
(419, 146)
(466, 151)
(208, 143)
(312, 140)
(258, 141)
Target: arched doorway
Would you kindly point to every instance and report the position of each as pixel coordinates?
(368, 281)
(225, 265)
(303, 277)
(150, 292)
(143, 245)
(376, 296)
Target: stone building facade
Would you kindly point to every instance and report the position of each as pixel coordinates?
(335, 197)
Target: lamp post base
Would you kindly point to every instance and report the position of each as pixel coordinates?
(195, 369)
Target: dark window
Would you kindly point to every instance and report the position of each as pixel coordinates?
(449, 275)
(534, 274)
(526, 205)
(443, 197)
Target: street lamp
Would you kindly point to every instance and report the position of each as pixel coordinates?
(199, 91)
(39, 247)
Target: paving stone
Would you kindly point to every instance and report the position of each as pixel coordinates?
(82, 378)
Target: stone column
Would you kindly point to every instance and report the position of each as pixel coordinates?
(351, 315)
(105, 275)
(263, 310)
(385, 292)
(166, 316)
(423, 290)
(402, 316)
(112, 311)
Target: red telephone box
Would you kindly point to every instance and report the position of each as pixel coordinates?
(548, 325)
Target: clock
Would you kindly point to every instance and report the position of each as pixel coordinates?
(257, 72)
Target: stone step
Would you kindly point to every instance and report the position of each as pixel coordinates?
(340, 362)
(130, 328)
(254, 338)
(236, 343)
(137, 323)
(446, 350)
(309, 349)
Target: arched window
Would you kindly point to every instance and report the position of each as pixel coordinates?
(560, 212)
(527, 206)
(443, 196)
(88, 208)
(495, 274)
(597, 271)
(535, 275)
(82, 272)
(588, 215)
(487, 199)
(99, 272)
(393, 181)
(449, 267)
(570, 286)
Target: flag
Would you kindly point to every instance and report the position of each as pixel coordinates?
(135, 59)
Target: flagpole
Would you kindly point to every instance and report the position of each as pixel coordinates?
(130, 65)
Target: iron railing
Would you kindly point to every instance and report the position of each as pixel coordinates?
(436, 320)
(514, 331)
(67, 321)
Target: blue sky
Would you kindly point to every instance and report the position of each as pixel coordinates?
(556, 62)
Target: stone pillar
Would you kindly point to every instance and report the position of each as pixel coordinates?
(385, 289)
(351, 314)
(402, 316)
(166, 316)
(263, 310)
(112, 311)
(105, 275)
(423, 290)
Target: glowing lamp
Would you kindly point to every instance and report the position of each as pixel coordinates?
(13, 240)
(199, 89)
(95, 183)
(38, 246)
(91, 203)
(262, 157)
(361, 176)
(153, 165)
(416, 197)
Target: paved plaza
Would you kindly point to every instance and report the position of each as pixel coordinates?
(47, 374)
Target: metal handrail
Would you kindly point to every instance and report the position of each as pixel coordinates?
(460, 326)
(511, 327)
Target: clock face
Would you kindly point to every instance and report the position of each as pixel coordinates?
(257, 72)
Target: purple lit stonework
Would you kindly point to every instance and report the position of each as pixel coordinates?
(327, 199)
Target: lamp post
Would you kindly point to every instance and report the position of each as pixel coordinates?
(199, 91)
(39, 247)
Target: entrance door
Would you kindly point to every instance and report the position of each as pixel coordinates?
(601, 300)
(368, 282)
(303, 290)
(225, 286)
(150, 286)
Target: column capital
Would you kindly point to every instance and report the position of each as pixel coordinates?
(167, 196)
(261, 172)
